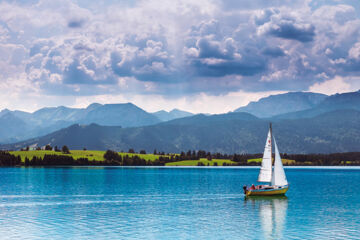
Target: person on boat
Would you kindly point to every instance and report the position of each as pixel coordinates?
(252, 187)
(245, 189)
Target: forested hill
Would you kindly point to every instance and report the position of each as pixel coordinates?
(337, 131)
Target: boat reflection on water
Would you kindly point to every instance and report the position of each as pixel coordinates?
(272, 214)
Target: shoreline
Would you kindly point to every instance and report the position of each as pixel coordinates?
(190, 167)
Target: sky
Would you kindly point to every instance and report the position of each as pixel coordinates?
(201, 56)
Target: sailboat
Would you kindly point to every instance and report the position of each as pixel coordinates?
(274, 176)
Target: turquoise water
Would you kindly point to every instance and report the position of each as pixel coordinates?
(175, 203)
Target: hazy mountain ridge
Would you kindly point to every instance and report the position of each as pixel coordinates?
(350, 100)
(173, 114)
(19, 125)
(23, 125)
(282, 103)
(11, 127)
(336, 131)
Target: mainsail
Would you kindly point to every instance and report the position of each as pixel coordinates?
(278, 176)
(266, 165)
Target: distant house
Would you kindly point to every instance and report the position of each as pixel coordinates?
(32, 147)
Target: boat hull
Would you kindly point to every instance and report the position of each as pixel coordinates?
(268, 192)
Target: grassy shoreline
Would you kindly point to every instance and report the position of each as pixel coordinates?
(99, 156)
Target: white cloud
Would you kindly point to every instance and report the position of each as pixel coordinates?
(354, 52)
(332, 86)
(58, 51)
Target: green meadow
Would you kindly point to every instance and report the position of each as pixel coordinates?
(284, 161)
(202, 160)
(99, 156)
(76, 154)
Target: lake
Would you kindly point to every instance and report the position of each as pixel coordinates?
(175, 203)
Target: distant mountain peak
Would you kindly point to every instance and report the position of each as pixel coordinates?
(176, 110)
(93, 106)
(282, 103)
(338, 101)
(161, 111)
(173, 114)
(4, 111)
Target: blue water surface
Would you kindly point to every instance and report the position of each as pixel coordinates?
(175, 203)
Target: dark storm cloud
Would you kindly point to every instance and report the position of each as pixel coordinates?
(351, 65)
(229, 68)
(245, 66)
(213, 49)
(76, 23)
(273, 51)
(84, 73)
(290, 30)
(74, 75)
(281, 24)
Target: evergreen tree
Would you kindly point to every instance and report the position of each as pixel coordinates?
(48, 147)
(65, 149)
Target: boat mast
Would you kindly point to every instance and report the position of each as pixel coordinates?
(271, 139)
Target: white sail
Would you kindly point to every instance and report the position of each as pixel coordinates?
(278, 177)
(266, 164)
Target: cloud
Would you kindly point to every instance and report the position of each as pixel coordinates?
(220, 55)
(263, 16)
(332, 86)
(261, 4)
(354, 52)
(290, 30)
(340, 13)
(273, 52)
(151, 62)
(280, 25)
(76, 23)
(249, 66)
(350, 63)
(212, 49)
(173, 50)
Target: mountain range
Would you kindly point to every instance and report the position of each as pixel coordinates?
(19, 125)
(173, 114)
(336, 131)
(320, 124)
(283, 103)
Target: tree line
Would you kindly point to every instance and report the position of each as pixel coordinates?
(47, 147)
(333, 159)
(113, 158)
(7, 159)
(64, 160)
